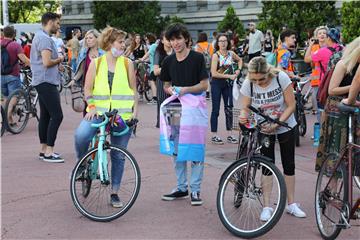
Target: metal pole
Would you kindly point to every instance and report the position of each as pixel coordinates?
(5, 12)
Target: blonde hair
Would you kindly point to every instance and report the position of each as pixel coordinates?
(316, 31)
(351, 54)
(259, 65)
(110, 35)
(93, 32)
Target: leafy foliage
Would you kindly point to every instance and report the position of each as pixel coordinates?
(297, 15)
(131, 16)
(232, 22)
(350, 20)
(29, 11)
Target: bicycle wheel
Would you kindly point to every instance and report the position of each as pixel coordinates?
(240, 210)
(302, 125)
(92, 197)
(330, 195)
(3, 119)
(148, 92)
(16, 110)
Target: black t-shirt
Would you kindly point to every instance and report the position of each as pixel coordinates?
(139, 52)
(186, 73)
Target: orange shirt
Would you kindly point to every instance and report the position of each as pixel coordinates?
(203, 46)
(315, 74)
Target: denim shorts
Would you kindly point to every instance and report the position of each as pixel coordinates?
(9, 84)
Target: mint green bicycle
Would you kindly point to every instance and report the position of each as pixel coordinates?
(90, 184)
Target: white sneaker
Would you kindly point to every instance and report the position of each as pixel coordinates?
(266, 214)
(294, 209)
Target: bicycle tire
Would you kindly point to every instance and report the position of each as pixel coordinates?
(77, 196)
(320, 194)
(303, 125)
(3, 121)
(257, 162)
(148, 92)
(22, 104)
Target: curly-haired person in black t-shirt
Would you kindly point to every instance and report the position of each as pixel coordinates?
(184, 69)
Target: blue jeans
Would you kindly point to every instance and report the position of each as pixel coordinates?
(9, 84)
(83, 136)
(73, 64)
(197, 168)
(218, 88)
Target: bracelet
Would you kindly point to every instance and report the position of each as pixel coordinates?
(91, 106)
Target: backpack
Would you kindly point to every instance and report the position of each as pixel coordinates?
(323, 92)
(207, 56)
(6, 66)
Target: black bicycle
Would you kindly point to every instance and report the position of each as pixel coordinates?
(301, 99)
(251, 183)
(21, 104)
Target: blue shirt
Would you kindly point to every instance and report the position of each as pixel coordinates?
(152, 50)
(40, 73)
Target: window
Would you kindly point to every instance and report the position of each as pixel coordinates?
(201, 4)
(181, 6)
(80, 8)
(224, 4)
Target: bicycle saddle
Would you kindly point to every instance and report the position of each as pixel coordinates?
(347, 108)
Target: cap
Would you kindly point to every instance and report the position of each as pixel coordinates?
(334, 34)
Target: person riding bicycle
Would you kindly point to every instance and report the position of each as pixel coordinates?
(109, 86)
(271, 91)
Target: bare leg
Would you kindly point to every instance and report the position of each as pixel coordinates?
(290, 187)
(266, 183)
(153, 88)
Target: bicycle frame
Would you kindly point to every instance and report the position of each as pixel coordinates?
(346, 157)
(100, 161)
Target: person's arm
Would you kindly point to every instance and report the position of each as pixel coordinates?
(215, 73)
(289, 99)
(47, 61)
(244, 112)
(336, 78)
(146, 56)
(132, 85)
(239, 62)
(202, 86)
(354, 89)
(157, 68)
(307, 57)
(24, 59)
(88, 89)
(272, 44)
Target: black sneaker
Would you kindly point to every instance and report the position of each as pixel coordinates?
(53, 158)
(115, 201)
(217, 140)
(195, 199)
(207, 95)
(233, 140)
(41, 155)
(176, 194)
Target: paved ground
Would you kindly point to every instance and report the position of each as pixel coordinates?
(36, 202)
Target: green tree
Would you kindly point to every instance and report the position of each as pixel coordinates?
(232, 22)
(29, 11)
(350, 19)
(297, 15)
(133, 16)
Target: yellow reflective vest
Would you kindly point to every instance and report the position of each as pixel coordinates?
(121, 96)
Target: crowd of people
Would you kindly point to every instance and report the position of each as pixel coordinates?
(105, 64)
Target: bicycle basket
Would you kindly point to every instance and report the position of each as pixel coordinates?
(173, 113)
(77, 102)
(235, 117)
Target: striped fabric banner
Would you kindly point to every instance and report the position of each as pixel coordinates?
(193, 128)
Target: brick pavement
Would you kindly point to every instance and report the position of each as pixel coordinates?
(36, 202)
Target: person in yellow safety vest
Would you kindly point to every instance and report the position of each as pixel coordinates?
(109, 84)
(316, 42)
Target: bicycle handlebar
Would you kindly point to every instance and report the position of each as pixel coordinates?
(267, 118)
(107, 115)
